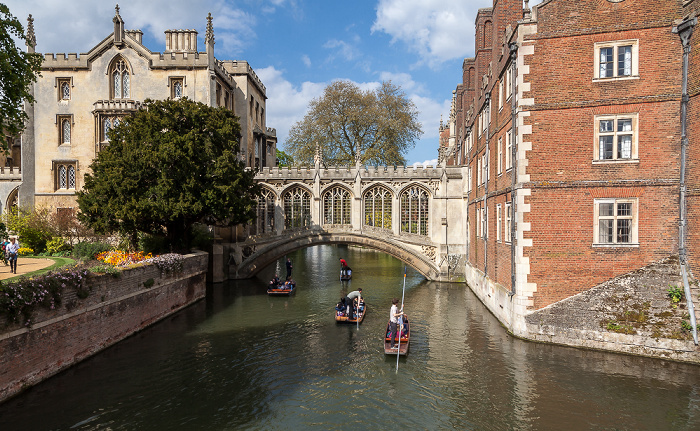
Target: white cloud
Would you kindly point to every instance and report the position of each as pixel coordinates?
(306, 60)
(431, 162)
(341, 49)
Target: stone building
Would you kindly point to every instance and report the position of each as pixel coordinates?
(569, 125)
(80, 97)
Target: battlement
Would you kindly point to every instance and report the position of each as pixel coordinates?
(270, 131)
(117, 105)
(61, 60)
(344, 172)
(241, 67)
(8, 173)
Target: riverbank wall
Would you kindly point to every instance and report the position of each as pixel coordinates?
(115, 308)
(631, 314)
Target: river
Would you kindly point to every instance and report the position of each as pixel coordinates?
(244, 361)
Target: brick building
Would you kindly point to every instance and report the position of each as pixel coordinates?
(80, 97)
(568, 124)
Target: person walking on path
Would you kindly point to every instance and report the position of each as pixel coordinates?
(289, 268)
(11, 252)
(394, 319)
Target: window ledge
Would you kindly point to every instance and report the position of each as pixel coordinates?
(616, 78)
(630, 245)
(616, 162)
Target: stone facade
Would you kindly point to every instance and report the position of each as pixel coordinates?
(79, 97)
(568, 118)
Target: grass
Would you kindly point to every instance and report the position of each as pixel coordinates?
(58, 262)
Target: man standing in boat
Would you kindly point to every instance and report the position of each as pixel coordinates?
(343, 267)
(289, 268)
(394, 315)
(350, 302)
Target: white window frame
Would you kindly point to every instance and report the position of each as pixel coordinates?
(478, 222)
(499, 162)
(633, 216)
(469, 179)
(485, 223)
(499, 216)
(509, 149)
(509, 215)
(508, 77)
(500, 93)
(615, 134)
(479, 171)
(615, 46)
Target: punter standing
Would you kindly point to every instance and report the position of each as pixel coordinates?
(394, 319)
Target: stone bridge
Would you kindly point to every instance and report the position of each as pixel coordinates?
(417, 215)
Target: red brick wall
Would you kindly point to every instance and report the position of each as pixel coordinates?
(115, 309)
(693, 133)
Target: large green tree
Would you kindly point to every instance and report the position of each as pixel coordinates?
(378, 125)
(168, 166)
(18, 70)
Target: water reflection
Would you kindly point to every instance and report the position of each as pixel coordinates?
(243, 360)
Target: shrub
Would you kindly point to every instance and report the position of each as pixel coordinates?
(154, 244)
(676, 294)
(106, 269)
(88, 250)
(25, 251)
(33, 227)
(122, 258)
(167, 263)
(56, 245)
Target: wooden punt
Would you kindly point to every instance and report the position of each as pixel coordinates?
(405, 339)
(345, 275)
(342, 318)
(279, 291)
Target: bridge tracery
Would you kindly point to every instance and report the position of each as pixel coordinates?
(378, 206)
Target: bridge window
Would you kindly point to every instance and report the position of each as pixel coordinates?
(297, 208)
(336, 206)
(414, 211)
(378, 207)
(265, 222)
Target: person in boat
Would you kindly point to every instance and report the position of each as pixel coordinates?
(275, 282)
(341, 305)
(352, 300)
(289, 267)
(394, 315)
(343, 266)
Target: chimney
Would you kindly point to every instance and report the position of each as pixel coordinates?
(180, 40)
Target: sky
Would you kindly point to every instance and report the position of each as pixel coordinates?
(296, 47)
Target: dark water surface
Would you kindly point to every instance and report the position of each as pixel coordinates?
(244, 361)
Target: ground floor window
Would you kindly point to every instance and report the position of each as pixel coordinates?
(615, 221)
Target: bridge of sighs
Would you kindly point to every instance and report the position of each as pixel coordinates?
(417, 215)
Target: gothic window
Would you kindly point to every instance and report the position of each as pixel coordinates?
(64, 88)
(65, 175)
(65, 124)
(107, 127)
(265, 221)
(336, 206)
(177, 89)
(414, 211)
(120, 80)
(378, 207)
(297, 208)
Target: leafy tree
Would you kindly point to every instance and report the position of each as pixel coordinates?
(33, 226)
(381, 124)
(18, 70)
(168, 166)
(284, 159)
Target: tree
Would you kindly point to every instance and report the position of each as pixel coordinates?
(381, 125)
(168, 166)
(18, 70)
(284, 159)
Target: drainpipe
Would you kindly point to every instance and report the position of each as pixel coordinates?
(685, 31)
(514, 160)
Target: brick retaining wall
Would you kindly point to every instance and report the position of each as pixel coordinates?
(115, 309)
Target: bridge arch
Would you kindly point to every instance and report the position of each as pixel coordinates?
(260, 256)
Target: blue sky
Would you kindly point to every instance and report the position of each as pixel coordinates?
(296, 47)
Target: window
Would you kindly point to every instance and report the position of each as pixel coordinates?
(336, 206)
(65, 125)
(177, 87)
(616, 221)
(509, 149)
(64, 88)
(378, 207)
(469, 179)
(414, 211)
(297, 208)
(120, 79)
(500, 92)
(64, 175)
(616, 137)
(485, 165)
(484, 223)
(265, 221)
(509, 215)
(508, 78)
(108, 122)
(499, 162)
(478, 222)
(479, 171)
(616, 59)
(498, 222)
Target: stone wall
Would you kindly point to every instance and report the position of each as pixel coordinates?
(115, 309)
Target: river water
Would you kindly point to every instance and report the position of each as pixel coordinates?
(244, 361)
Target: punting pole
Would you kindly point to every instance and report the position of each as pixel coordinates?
(398, 330)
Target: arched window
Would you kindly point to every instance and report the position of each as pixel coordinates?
(107, 127)
(120, 80)
(266, 212)
(65, 131)
(336, 206)
(414, 211)
(378, 207)
(65, 90)
(62, 177)
(297, 208)
(71, 177)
